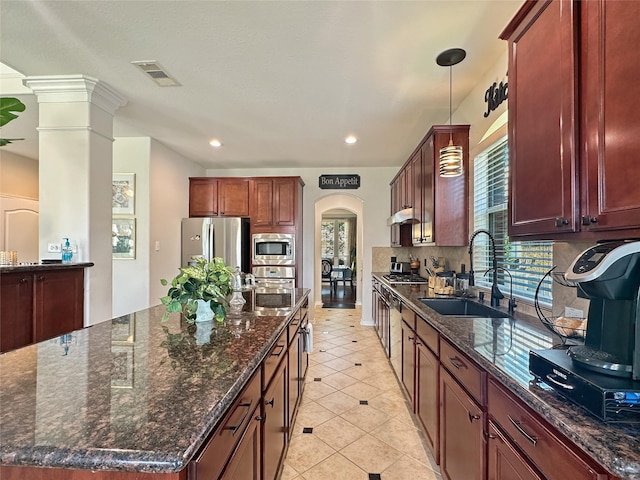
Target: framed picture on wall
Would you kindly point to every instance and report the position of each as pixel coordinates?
(123, 191)
(123, 238)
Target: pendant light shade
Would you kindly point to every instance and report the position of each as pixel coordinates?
(451, 155)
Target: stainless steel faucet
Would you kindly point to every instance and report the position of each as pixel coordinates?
(496, 294)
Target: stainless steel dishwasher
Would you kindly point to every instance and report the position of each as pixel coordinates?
(394, 345)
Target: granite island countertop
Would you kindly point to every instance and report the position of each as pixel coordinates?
(130, 394)
(502, 349)
(38, 267)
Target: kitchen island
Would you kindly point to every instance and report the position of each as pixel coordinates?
(500, 349)
(134, 394)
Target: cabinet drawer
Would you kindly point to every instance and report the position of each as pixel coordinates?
(427, 333)
(554, 456)
(271, 362)
(213, 458)
(463, 369)
(409, 316)
(294, 325)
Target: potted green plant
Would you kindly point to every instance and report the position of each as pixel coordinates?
(199, 285)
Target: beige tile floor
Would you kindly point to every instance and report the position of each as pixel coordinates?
(360, 419)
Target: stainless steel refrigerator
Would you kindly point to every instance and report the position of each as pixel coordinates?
(210, 237)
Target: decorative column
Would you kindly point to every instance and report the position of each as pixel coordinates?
(75, 156)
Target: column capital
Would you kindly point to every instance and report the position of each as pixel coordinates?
(75, 88)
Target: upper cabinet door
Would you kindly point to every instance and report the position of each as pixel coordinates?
(542, 131)
(203, 197)
(610, 86)
(285, 196)
(233, 197)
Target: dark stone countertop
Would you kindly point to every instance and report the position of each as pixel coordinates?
(131, 394)
(614, 446)
(38, 267)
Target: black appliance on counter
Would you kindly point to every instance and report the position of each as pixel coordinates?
(603, 375)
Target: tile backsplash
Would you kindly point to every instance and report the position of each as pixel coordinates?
(563, 254)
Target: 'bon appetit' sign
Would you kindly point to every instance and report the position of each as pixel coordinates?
(339, 182)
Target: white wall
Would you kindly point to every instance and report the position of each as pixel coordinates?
(169, 204)
(375, 194)
(130, 279)
(161, 201)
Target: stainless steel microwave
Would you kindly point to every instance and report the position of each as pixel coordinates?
(273, 249)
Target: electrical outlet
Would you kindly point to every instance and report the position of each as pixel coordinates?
(74, 248)
(54, 248)
(573, 312)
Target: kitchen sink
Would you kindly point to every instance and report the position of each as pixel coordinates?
(461, 307)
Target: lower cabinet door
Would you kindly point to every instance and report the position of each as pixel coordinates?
(505, 462)
(59, 302)
(462, 445)
(245, 462)
(408, 361)
(294, 378)
(16, 313)
(427, 396)
(274, 437)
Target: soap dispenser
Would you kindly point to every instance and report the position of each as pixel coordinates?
(67, 252)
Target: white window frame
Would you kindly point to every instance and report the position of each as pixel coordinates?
(527, 262)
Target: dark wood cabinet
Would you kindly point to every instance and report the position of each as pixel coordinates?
(572, 128)
(38, 305)
(462, 443)
(427, 398)
(535, 441)
(218, 456)
(436, 217)
(16, 311)
(505, 462)
(408, 361)
(275, 426)
(245, 463)
(610, 105)
(276, 203)
(224, 196)
(58, 302)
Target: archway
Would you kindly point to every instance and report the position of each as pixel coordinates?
(353, 204)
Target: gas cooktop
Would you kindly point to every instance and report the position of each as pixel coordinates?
(404, 278)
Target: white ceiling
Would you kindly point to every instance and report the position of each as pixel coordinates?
(280, 83)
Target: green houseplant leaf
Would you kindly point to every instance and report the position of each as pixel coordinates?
(9, 105)
(208, 281)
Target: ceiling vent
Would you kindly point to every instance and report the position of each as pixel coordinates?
(155, 72)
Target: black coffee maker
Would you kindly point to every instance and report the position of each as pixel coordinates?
(609, 275)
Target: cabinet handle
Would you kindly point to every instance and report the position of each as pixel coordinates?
(533, 440)
(40, 278)
(23, 280)
(235, 428)
(259, 418)
(473, 417)
(270, 402)
(588, 220)
(456, 362)
(561, 222)
(274, 354)
(410, 338)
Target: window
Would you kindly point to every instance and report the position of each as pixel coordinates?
(335, 240)
(527, 262)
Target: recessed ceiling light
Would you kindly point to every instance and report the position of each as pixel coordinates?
(351, 139)
(215, 143)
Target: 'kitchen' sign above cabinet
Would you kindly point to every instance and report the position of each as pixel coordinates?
(339, 182)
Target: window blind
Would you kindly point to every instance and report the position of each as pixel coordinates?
(527, 262)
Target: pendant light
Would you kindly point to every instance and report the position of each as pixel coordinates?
(451, 155)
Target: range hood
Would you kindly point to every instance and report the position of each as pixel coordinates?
(402, 217)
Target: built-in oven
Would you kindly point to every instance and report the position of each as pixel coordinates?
(274, 292)
(273, 249)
